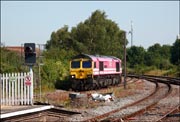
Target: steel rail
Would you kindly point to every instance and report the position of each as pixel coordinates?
(168, 113)
(163, 79)
(104, 116)
(148, 106)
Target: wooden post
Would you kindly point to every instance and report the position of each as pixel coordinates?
(124, 38)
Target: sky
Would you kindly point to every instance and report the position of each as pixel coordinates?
(34, 21)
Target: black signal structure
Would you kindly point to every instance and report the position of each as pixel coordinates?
(30, 53)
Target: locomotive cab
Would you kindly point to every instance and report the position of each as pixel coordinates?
(81, 68)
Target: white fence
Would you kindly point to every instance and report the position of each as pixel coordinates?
(16, 89)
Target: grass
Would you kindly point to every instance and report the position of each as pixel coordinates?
(157, 72)
(171, 72)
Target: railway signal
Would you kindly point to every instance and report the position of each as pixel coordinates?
(30, 53)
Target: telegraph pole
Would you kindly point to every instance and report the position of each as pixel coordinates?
(131, 32)
(124, 38)
(40, 63)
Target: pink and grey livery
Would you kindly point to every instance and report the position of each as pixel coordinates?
(94, 71)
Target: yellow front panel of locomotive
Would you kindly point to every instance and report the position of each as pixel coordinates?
(81, 73)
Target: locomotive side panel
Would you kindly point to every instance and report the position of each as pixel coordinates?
(107, 66)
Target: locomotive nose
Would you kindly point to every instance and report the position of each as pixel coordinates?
(81, 71)
(81, 74)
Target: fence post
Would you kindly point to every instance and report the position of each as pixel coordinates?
(22, 84)
(2, 90)
(5, 78)
(18, 88)
(31, 88)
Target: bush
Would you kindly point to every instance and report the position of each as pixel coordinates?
(53, 71)
(63, 84)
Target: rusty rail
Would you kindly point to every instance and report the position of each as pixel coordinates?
(119, 109)
(149, 106)
(151, 79)
(168, 113)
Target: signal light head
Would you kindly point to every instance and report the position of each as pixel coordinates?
(28, 50)
(30, 53)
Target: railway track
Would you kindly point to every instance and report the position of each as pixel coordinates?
(162, 109)
(163, 89)
(149, 103)
(163, 79)
(174, 112)
(143, 109)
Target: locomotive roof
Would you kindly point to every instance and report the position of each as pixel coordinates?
(94, 56)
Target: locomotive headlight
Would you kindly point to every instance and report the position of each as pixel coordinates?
(72, 76)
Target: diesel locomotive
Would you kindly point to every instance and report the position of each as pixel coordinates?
(89, 72)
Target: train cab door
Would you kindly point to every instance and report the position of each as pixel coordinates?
(101, 66)
(117, 67)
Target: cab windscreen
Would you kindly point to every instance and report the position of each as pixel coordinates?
(87, 64)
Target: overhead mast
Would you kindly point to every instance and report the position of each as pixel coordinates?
(131, 32)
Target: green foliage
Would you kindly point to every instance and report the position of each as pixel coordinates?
(10, 61)
(153, 55)
(63, 84)
(165, 51)
(175, 52)
(135, 56)
(60, 39)
(96, 35)
(158, 56)
(53, 70)
(178, 70)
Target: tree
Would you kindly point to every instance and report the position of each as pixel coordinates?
(10, 61)
(60, 39)
(99, 35)
(153, 55)
(175, 52)
(158, 56)
(53, 71)
(96, 35)
(165, 52)
(135, 56)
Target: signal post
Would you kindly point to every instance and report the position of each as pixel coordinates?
(30, 60)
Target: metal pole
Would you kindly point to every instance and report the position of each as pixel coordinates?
(124, 37)
(40, 91)
(41, 47)
(131, 33)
